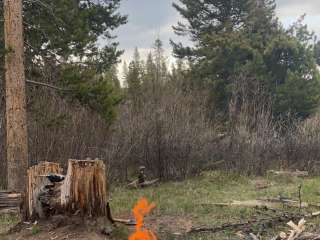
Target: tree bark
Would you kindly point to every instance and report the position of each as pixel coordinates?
(16, 125)
(83, 191)
(37, 182)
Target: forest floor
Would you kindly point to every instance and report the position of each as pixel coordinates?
(181, 206)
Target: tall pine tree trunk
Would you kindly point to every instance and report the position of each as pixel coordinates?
(16, 126)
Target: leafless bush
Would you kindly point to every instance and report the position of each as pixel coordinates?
(170, 134)
(253, 150)
(171, 137)
(58, 130)
(254, 143)
(302, 145)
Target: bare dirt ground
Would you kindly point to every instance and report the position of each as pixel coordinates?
(59, 228)
(74, 229)
(62, 233)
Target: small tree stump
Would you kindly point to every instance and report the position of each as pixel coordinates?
(37, 180)
(84, 189)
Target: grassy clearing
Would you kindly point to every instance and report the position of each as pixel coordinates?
(188, 199)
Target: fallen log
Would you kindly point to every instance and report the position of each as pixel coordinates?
(9, 201)
(269, 203)
(135, 184)
(296, 173)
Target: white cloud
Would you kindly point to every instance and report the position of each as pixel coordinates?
(295, 8)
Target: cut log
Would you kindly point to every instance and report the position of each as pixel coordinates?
(84, 190)
(37, 182)
(9, 201)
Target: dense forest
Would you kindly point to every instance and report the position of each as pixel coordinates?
(243, 97)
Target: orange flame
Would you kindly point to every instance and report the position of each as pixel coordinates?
(140, 211)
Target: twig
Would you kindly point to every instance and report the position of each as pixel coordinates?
(299, 194)
(285, 217)
(48, 85)
(127, 222)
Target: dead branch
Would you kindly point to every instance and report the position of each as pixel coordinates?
(135, 184)
(127, 222)
(47, 85)
(239, 226)
(269, 203)
(296, 173)
(270, 221)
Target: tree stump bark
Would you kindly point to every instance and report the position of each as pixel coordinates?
(84, 189)
(37, 182)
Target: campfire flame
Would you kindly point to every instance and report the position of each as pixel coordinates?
(142, 208)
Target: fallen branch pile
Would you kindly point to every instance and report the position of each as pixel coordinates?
(247, 226)
(297, 232)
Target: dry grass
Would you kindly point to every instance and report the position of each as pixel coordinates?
(6, 222)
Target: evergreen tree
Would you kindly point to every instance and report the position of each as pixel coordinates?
(317, 52)
(179, 76)
(134, 79)
(150, 73)
(232, 38)
(160, 62)
(61, 37)
(125, 71)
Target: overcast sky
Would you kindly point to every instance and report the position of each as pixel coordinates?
(148, 19)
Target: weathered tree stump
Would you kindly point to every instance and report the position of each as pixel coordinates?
(37, 182)
(82, 191)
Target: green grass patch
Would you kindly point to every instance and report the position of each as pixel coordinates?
(192, 198)
(7, 221)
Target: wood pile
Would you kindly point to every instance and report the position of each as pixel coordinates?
(9, 201)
